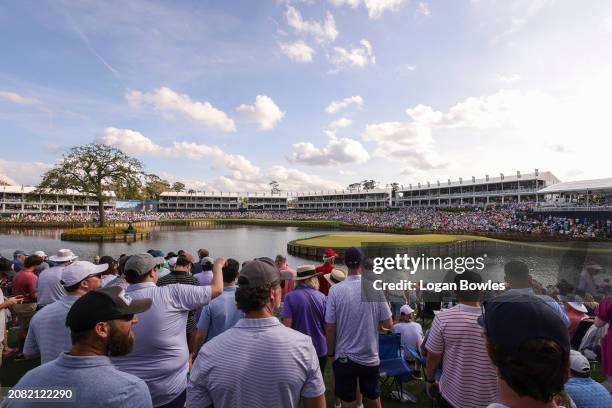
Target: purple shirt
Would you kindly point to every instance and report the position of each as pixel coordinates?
(306, 308)
(604, 312)
(205, 278)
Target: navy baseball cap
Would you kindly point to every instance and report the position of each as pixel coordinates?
(353, 257)
(510, 320)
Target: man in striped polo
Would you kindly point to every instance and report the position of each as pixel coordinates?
(468, 379)
(48, 335)
(258, 363)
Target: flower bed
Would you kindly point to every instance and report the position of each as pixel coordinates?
(114, 234)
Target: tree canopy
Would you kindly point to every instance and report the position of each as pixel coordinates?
(94, 170)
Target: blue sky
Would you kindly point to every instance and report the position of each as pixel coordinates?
(228, 95)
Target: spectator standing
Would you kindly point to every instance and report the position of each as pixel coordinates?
(44, 265)
(329, 257)
(282, 266)
(529, 345)
(252, 374)
(456, 340)
(304, 310)
(197, 266)
(100, 325)
(221, 313)
(120, 278)
(205, 277)
(603, 316)
(24, 284)
(181, 274)
(50, 288)
(19, 257)
(584, 391)
(5, 303)
(352, 327)
(161, 357)
(111, 272)
(48, 335)
(519, 281)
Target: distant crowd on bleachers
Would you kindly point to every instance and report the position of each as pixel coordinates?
(507, 219)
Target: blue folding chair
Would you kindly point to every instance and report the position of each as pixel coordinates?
(394, 369)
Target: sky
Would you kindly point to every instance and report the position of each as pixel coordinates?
(314, 94)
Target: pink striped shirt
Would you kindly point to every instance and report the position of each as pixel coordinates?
(469, 379)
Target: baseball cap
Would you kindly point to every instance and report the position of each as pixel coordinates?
(329, 252)
(20, 252)
(40, 253)
(510, 320)
(102, 305)
(155, 253)
(142, 263)
(76, 272)
(353, 257)
(406, 310)
(260, 272)
(578, 362)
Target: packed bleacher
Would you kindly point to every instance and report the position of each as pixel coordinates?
(176, 329)
(509, 219)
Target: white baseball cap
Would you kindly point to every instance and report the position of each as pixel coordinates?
(172, 261)
(40, 253)
(406, 310)
(578, 362)
(76, 272)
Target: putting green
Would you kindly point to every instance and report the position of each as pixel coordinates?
(349, 240)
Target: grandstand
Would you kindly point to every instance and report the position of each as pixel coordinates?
(350, 199)
(22, 200)
(510, 189)
(266, 201)
(198, 201)
(579, 195)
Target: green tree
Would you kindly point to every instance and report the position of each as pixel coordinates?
(178, 187)
(354, 186)
(93, 170)
(154, 186)
(368, 184)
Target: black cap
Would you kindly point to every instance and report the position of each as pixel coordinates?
(260, 272)
(353, 257)
(102, 305)
(510, 320)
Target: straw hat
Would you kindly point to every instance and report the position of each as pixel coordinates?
(304, 272)
(335, 276)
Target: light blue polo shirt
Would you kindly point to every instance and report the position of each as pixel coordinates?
(357, 321)
(221, 313)
(93, 380)
(48, 334)
(161, 356)
(49, 287)
(586, 392)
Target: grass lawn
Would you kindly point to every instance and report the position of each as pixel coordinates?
(349, 240)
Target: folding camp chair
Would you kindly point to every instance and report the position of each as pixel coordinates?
(394, 368)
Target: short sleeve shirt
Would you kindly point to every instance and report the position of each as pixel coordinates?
(306, 308)
(255, 377)
(24, 283)
(221, 313)
(357, 322)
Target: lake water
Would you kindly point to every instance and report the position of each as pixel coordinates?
(247, 242)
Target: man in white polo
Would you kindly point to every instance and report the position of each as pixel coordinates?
(48, 335)
(161, 355)
(50, 288)
(258, 363)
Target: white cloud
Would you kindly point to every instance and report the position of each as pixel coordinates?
(338, 151)
(264, 111)
(339, 124)
(335, 106)
(410, 143)
(322, 31)
(376, 8)
(357, 57)
(134, 142)
(22, 172)
(296, 180)
(424, 9)
(17, 99)
(606, 24)
(169, 102)
(6, 180)
(508, 78)
(298, 51)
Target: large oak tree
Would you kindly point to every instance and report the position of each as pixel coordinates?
(93, 170)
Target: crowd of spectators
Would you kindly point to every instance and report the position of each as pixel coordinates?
(174, 330)
(507, 219)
